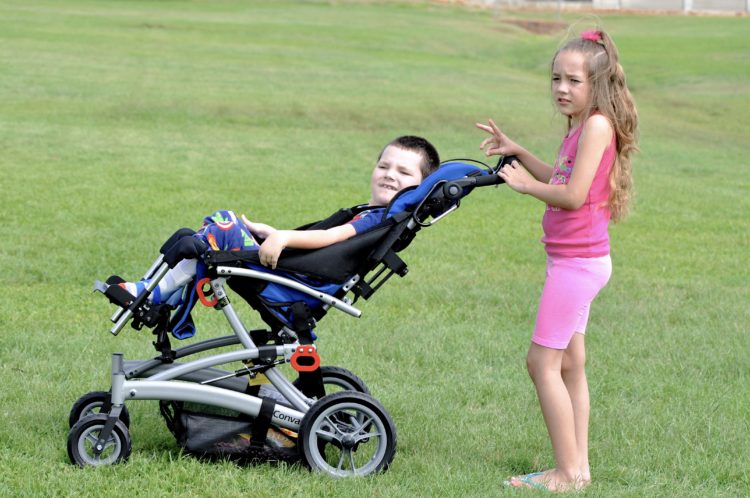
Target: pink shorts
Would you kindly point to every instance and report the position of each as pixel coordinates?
(571, 286)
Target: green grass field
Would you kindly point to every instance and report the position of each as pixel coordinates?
(123, 120)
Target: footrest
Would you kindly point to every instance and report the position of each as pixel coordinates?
(114, 280)
(116, 294)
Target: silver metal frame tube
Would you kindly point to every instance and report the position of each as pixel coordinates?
(268, 277)
(186, 391)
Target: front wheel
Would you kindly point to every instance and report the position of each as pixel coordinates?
(82, 440)
(347, 434)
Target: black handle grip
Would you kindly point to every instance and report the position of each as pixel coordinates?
(491, 179)
(455, 189)
(504, 161)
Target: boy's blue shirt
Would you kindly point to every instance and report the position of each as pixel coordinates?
(367, 220)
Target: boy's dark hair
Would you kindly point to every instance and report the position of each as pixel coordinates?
(430, 157)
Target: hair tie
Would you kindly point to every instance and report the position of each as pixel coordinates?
(594, 36)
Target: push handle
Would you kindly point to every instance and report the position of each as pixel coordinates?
(493, 179)
(503, 162)
(455, 189)
(486, 180)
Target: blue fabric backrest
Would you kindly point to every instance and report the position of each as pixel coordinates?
(410, 199)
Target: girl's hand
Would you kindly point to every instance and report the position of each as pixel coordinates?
(498, 144)
(516, 177)
(271, 248)
(260, 230)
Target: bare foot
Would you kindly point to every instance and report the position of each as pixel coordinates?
(584, 479)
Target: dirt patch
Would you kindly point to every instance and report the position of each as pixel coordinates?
(538, 27)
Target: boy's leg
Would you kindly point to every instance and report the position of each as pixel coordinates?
(574, 377)
(175, 279)
(225, 234)
(224, 231)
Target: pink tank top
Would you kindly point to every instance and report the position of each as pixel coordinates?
(582, 232)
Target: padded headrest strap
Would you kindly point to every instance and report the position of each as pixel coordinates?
(409, 199)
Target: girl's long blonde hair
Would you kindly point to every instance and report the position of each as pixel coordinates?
(610, 96)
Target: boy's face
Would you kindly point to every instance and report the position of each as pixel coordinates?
(397, 169)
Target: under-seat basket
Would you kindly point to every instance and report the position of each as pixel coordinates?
(209, 431)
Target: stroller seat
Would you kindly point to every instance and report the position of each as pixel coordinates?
(306, 283)
(359, 265)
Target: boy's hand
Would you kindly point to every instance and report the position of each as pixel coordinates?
(271, 248)
(260, 230)
(498, 144)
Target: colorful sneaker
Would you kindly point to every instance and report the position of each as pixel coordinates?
(134, 288)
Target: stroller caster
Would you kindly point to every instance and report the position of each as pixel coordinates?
(347, 434)
(94, 402)
(83, 437)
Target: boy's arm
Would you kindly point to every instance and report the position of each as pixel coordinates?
(260, 230)
(279, 240)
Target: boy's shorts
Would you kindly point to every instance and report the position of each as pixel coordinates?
(225, 231)
(570, 287)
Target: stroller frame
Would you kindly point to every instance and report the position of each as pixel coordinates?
(153, 388)
(154, 379)
(347, 421)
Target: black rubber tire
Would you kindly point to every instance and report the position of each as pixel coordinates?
(91, 403)
(340, 425)
(83, 435)
(341, 378)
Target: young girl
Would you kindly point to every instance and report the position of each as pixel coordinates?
(589, 184)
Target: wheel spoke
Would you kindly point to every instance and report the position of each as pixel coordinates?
(354, 419)
(326, 436)
(341, 460)
(363, 425)
(334, 425)
(110, 447)
(367, 435)
(91, 438)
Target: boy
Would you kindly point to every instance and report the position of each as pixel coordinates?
(403, 162)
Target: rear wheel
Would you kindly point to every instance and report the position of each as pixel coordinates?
(347, 434)
(92, 403)
(83, 437)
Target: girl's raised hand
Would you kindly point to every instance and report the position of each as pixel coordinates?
(497, 144)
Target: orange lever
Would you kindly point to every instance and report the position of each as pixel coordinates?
(202, 295)
(305, 359)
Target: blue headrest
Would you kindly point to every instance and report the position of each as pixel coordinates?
(407, 200)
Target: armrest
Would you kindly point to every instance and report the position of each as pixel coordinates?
(228, 271)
